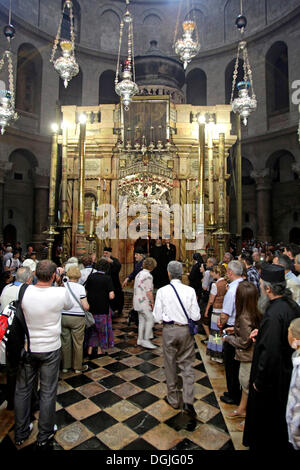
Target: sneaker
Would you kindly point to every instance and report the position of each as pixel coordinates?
(80, 371)
(21, 441)
(204, 341)
(65, 371)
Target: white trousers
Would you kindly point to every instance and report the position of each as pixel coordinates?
(146, 322)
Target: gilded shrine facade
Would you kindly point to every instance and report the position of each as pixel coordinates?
(126, 173)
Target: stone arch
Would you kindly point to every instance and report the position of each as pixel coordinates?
(277, 79)
(109, 30)
(247, 233)
(196, 87)
(107, 94)
(10, 234)
(247, 169)
(228, 79)
(280, 164)
(29, 79)
(151, 28)
(65, 27)
(72, 95)
(19, 193)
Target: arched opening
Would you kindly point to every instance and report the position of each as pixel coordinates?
(280, 164)
(294, 235)
(247, 234)
(109, 31)
(196, 87)
(107, 94)
(277, 79)
(18, 207)
(247, 169)
(72, 95)
(10, 235)
(65, 26)
(151, 29)
(29, 79)
(229, 77)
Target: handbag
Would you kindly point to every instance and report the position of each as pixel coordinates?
(89, 317)
(193, 327)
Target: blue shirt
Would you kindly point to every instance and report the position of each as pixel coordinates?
(229, 301)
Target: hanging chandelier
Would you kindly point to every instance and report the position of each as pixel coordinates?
(244, 104)
(7, 97)
(66, 65)
(126, 88)
(187, 47)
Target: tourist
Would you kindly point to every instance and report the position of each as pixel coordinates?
(215, 301)
(178, 343)
(292, 281)
(227, 319)
(143, 302)
(88, 269)
(293, 405)
(29, 248)
(115, 267)
(265, 425)
(207, 281)
(13, 264)
(100, 291)
(139, 257)
(42, 306)
(73, 324)
(6, 278)
(297, 265)
(226, 259)
(7, 255)
(247, 319)
(251, 271)
(292, 250)
(9, 294)
(73, 261)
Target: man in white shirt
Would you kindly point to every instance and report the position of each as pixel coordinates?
(178, 343)
(42, 306)
(13, 263)
(227, 319)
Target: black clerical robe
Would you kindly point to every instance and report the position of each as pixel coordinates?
(118, 302)
(265, 425)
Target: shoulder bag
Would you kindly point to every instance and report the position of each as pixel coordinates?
(193, 327)
(89, 318)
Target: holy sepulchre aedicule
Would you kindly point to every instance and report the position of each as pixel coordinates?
(148, 163)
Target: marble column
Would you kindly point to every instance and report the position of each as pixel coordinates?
(41, 200)
(263, 203)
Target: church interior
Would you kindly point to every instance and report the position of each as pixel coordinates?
(165, 103)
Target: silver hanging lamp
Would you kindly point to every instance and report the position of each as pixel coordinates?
(7, 96)
(66, 65)
(126, 88)
(244, 104)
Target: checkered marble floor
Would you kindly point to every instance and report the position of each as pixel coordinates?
(118, 404)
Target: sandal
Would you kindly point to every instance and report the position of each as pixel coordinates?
(235, 414)
(241, 426)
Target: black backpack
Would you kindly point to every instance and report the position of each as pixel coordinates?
(17, 331)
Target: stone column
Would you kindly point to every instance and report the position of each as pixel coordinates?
(263, 203)
(41, 200)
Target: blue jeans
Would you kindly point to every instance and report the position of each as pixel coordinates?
(46, 365)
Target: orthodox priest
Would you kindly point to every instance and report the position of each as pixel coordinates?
(265, 425)
(115, 267)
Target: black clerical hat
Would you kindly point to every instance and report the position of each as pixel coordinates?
(272, 273)
(107, 248)
(139, 250)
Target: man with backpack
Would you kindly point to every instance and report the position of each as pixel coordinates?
(9, 294)
(42, 305)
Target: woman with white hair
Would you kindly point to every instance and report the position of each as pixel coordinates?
(73, 261)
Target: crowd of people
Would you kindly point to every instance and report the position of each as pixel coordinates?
(247, 308)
